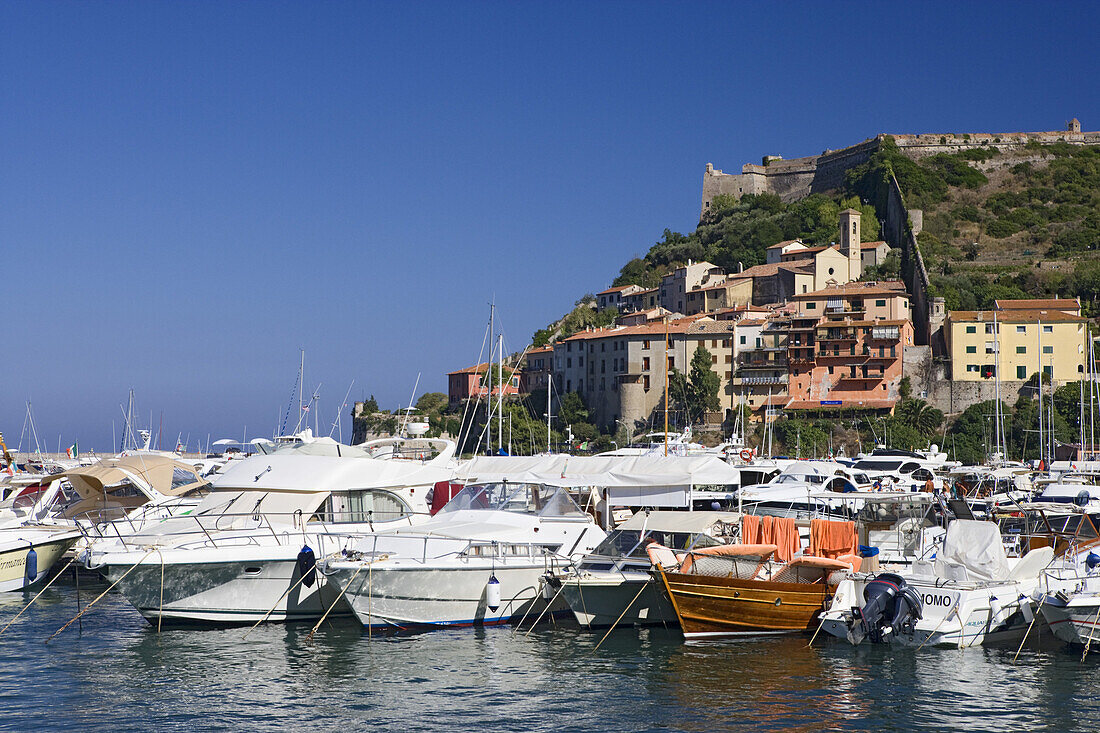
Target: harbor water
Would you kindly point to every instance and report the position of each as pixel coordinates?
(117, 673)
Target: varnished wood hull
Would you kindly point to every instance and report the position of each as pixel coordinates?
(714, 606)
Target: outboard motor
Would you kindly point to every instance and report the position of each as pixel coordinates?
(891, 606)
(307, 565)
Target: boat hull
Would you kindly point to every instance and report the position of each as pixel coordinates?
(600, 600)
(13, 561)
(240, 591)
(1075, 622)
(716, 606)
(952, 616)
(407, 596)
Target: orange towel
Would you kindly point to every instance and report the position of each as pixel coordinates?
(833, 538)
(767, 533)
(785, 537)
(750, 529)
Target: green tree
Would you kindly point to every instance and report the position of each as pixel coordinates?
(430, 402)
(704, 384)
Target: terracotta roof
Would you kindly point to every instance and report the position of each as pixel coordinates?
(540, 350)
(615, 290)
(1013, 316)
(751, 322)
(1038, 304)
(815, 250)
(691, 325)
(891, 287)
(779, 245)
(771, 270)
(470, 370)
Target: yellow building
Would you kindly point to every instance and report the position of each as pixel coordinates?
(1027, 340)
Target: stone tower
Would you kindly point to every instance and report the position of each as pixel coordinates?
(849, 242)
(1074, 125)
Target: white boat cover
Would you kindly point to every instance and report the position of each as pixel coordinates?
(977, 547)
(627, 472)
(310, 473)
(693, 522)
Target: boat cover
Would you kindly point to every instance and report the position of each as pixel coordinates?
(625, 472)
(977, 547)
(310, 473)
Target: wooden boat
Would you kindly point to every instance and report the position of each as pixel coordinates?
(737, 590)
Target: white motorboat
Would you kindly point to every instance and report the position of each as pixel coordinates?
(972, 594)
(1069, 595)
(247, 552)
(481, 560)
(28, 553)
(615, 583)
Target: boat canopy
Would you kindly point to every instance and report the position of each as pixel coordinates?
(163, 475)
(691, 522)
(310, 473)
(625, 472)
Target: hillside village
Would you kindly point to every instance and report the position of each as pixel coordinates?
(841, 331)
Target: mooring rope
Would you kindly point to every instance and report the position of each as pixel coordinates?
(89, 606)
(39, 594)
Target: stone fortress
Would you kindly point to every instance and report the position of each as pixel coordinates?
(796, 178)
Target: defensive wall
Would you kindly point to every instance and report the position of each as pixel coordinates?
(799, 177)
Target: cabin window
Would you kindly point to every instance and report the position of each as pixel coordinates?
(364, 506)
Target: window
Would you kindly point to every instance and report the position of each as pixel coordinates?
(1021, 329)
(645, 344)
(1048, 370)
(603, 367)
(645, 364)
(672, 362)
(580, 361)
(1021, 349)
(1048, 349)
(971, 367)
(569, 346)
(971, 349)
(880, 303)
(645, 383)
(971, 329)
(810, 305)
(569, 363)
(603, 347)
(726, 343)
(1048, 329)
(515, 382)
(830, 271)
(742, 340)
(713, 359)
(1021, 372)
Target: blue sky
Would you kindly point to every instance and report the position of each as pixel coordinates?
(192, 192)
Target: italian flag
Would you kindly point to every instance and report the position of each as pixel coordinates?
(72, 451)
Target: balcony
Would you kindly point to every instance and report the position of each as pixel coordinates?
(760, 381)
(885, 333)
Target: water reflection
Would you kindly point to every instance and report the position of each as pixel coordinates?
(119, 674)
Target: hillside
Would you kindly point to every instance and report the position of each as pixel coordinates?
(1015, 224)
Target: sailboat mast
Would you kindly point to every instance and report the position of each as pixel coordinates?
(489, 383)
(500, 393)
(997, 384)
(1042, 435)
(666, 385)
(549, 387)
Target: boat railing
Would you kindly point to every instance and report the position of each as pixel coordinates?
(228, 529)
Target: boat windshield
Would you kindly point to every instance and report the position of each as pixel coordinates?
(544, 501)
(799, 478)
(629, 542)
(868, 465)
